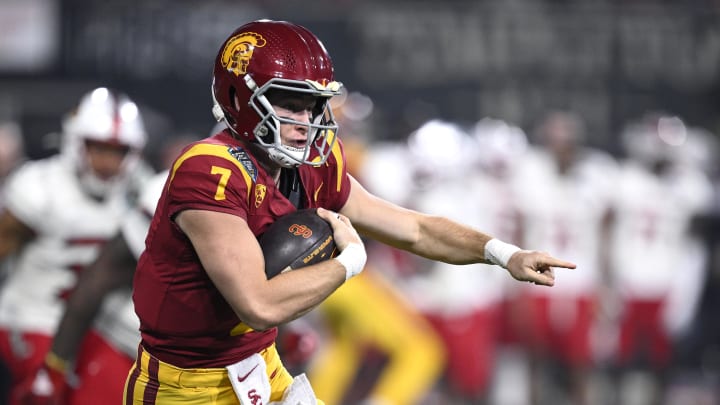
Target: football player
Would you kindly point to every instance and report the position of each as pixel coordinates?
(568, 189)
(58, 212)
(653, 254)
(208, 314)
(466, 310)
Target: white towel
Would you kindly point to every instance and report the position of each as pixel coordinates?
(250, 381)
(299, 393)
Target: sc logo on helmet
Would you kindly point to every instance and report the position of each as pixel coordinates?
(239, 50)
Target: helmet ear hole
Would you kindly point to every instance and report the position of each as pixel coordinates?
(230, 118)
(232, 96)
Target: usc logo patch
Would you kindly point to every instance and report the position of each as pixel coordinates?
(260, 191)
(239, 50)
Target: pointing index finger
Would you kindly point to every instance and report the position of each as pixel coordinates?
(553, 262)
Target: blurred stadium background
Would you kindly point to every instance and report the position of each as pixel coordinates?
(608, 60)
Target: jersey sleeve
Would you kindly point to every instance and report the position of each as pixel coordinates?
(136, 222)
(25, 197)
(210, 177)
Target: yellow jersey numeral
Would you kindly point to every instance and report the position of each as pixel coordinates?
(222, 183)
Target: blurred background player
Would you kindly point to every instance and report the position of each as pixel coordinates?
(58, 213)
(369, 330)
(369, 320)
(567, 193)
(653, 252)
(455, 178)
(107, 282)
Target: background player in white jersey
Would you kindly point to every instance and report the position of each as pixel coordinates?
(653, 252)
(106, 284)
(469, 179)
(566, 207)
(102, 300)
(58, 212)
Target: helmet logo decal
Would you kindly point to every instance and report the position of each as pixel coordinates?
(239, 50)
(260, 191)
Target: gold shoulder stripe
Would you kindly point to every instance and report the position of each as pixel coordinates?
(220, 151)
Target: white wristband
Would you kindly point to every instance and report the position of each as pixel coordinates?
(353, 258)
(499, 252)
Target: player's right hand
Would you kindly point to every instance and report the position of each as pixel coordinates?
(47, 386)
(352, 249)
(343, 231)
(535, 267)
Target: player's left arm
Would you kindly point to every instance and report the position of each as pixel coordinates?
(438, 238)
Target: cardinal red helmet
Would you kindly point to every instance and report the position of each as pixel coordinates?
(264, 55)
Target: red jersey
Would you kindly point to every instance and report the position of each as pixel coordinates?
(184, 320)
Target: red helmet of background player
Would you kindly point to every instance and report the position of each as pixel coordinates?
(265, 55)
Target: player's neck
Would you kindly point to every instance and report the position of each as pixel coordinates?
(274, 171)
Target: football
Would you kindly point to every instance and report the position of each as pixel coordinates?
(298, 239)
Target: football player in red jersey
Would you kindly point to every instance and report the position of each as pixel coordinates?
(208, 314)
